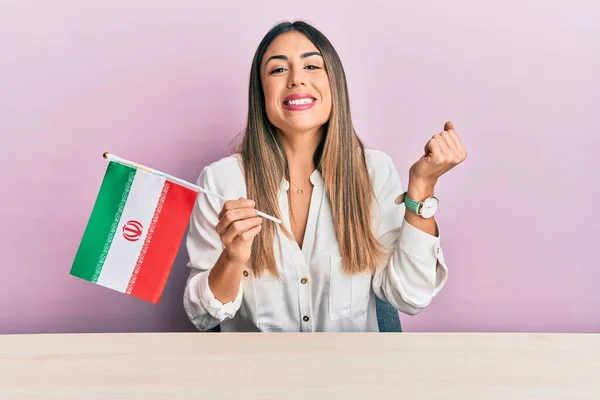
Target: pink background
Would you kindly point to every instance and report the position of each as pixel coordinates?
(164, 84)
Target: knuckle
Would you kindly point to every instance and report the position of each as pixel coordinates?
(236, 226)
(226, 218)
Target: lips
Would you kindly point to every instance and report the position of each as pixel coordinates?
(299, 101)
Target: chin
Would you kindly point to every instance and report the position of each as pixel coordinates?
(301, 127)
(303, 124)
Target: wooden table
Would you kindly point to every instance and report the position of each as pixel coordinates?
(300, 366)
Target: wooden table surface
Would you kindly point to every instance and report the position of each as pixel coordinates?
(300, 366)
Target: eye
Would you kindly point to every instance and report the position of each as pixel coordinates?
(312, 66)
(277, 71)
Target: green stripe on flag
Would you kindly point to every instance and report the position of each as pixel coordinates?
(102, 225)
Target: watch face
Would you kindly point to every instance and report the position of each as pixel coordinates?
(429, 207)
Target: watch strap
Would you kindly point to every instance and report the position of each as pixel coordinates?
(411, 204)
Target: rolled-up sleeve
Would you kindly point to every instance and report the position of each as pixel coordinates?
(414, 269)
(204, 247)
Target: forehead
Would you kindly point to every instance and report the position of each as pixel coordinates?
(291, 44)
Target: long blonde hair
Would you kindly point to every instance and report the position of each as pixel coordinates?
(340, 158)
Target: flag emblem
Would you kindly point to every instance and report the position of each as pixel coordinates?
(132, 230)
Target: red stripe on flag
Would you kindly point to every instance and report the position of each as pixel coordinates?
(162, 242)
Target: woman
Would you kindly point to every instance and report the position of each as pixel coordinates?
(348, 234)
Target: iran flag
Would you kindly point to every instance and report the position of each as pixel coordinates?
(134, 232)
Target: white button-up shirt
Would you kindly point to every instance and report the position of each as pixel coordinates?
(313, 293)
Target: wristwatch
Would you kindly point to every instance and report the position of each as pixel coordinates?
(425, 208)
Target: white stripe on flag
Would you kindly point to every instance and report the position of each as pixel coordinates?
(123, 254)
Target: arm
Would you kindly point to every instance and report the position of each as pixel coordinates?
(409, 277)
(206, 308)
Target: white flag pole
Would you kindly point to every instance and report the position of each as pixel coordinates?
(112, 157)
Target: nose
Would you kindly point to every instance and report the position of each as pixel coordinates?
(295, 78)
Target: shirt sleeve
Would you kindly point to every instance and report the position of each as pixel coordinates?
(414, 269)
(204, 247)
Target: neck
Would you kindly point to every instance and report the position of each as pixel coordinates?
(300, 149)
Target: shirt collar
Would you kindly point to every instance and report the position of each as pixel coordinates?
(315, 178)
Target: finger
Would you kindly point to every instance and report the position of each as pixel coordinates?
(242, 231)
(445, 135)
(434, 148)
(454, 151)
(443, 153)
(231, 216)
(452, 139)
(239, 227)
(448, 126)
(462, 152)
(233, 204)
(249, 234)
(449, 155)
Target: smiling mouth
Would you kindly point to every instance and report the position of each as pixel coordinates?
(299, 102)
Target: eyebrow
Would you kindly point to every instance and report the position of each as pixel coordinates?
(282, 57)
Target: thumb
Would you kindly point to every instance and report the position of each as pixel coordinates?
(448, 126)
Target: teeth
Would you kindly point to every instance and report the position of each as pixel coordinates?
(299, 101)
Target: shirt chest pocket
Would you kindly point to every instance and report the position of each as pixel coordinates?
(348, 294)
(268, 295)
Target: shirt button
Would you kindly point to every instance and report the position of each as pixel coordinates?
(245, 273)
(305, 318)
(303, 281)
